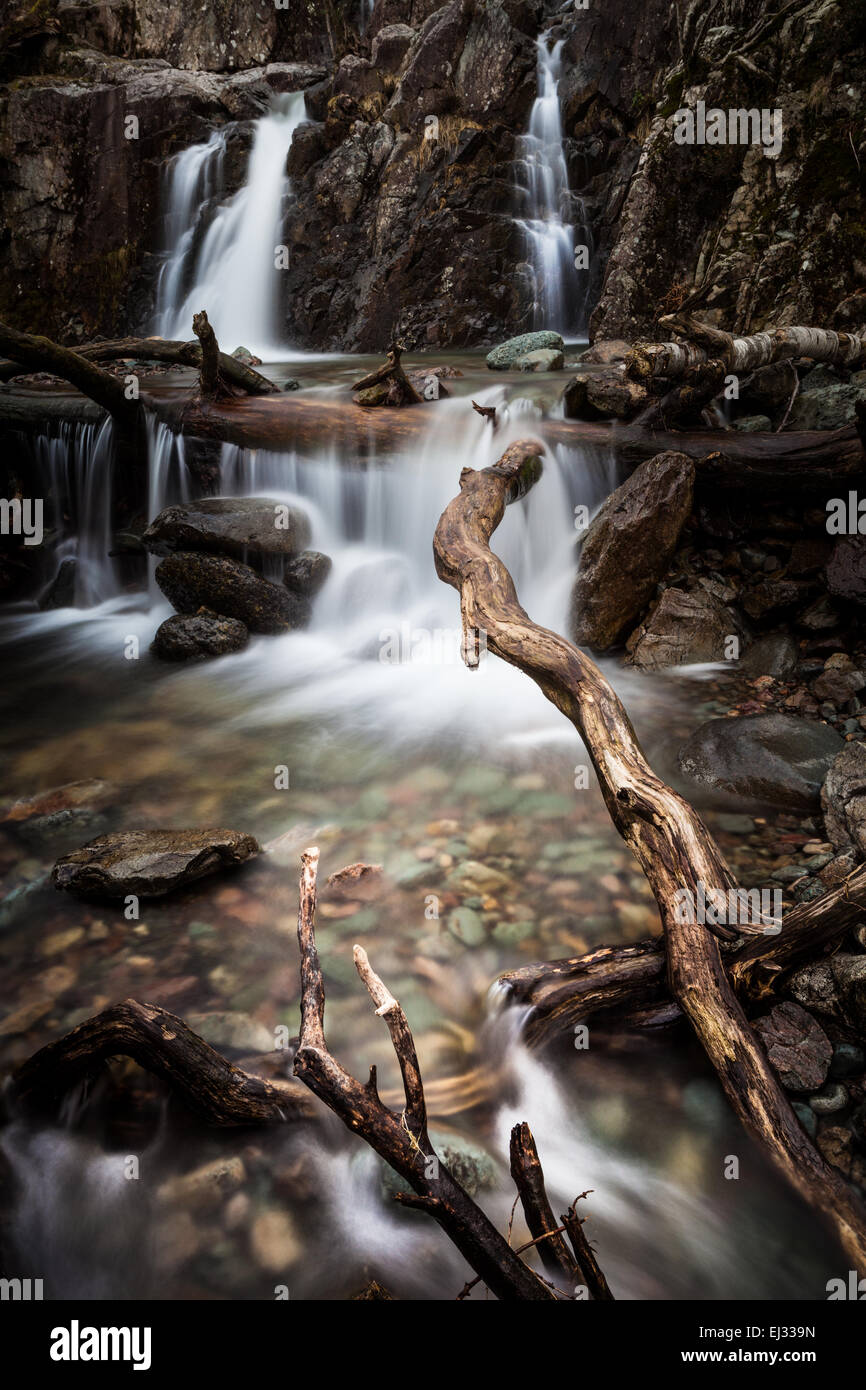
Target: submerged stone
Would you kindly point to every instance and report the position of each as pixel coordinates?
(150, 863)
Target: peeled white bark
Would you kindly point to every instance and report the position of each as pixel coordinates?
(647, 360)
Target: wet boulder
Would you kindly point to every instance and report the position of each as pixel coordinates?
(606, 395)
(197, 636)
(542, 360)
(192, 581)
(61, 591)
(628, 548)
(150, 863)
(246, 528)
(776, 758)
(506, 357)
(683, 629)
(305, 574)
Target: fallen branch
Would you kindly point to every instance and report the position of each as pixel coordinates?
(212, 384)
(172, 351)
(42, 355)
(528, 1175)
(390, 375)
(401, 1139)
(625, 987)
(671, 360)
(670, 841)
(220, 1093)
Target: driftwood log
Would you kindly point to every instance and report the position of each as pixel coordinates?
(397, 388)
(671, 843)
(625, 986)
(42, 355)
(215, 1090)
(703, 344)
(165, 350)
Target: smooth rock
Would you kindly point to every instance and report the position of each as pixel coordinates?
(233, 1030)
(192, 581)
(772, 655)
(542, 360)
(776, 758)
(150, 863)
(848, 1060)
(305, 574)
(628, 548)
(61, 591)
(505, 357)
(243, 527)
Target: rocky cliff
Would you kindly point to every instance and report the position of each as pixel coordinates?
(401, 215)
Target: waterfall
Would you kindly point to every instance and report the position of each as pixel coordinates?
(74, 465)
(552, 218)
(230, 268)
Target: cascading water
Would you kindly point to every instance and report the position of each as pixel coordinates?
(552, 218)
(231, 269)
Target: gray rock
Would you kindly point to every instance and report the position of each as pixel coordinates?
(150, 863)
(628, 549)
(542, 360)
(839, 680)
(236, 1032)
(192, 581)
(843, 799)
(797, 1046)
(753, 424)
(243, 527)
(827, 408)
(776, 655)
(197, 636)
(505, 357)
(830, 1099)
(682, 629)
(835, 987)
(774, 758)
(306, 573)
(471, 1165)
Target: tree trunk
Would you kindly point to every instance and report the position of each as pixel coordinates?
(672, 360)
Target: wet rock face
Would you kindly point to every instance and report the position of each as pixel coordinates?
(247, 528)
(191, 581)
(774, 758)
(197, 636)
(150, 863)
(683, 629)
(628, 548)
(843, 799)
(306, 573)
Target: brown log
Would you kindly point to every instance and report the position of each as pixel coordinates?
(401, 1139)
(670, 841)
(403, 392)
(220, 1093)
(42, 355)
(172, 351)
(625, 987)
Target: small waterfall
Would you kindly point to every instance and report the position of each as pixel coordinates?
(229, 270)
(552, 218)
(75, 468)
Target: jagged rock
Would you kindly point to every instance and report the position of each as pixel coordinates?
(846, 569)
(505, 357)
(603, 396)
(191, 581)
(835, 987)
(839, 680)
(628, 548)
(770, 596)
(197, 636)
(843, 799)
(775, 758)
(797, 1046)
(150, 863)
(306, 573)
(247, 528)
(683, 629)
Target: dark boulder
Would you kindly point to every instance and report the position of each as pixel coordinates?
(305, 574)
(192, 581)
(774, 758)
(797, 1046)
(150, 863)
(846, 568)
(628, 548)
(843, 799)
(197, 636)
(247, 528)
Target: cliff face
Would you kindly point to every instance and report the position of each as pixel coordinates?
(402, 205)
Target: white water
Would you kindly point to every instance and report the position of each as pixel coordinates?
(552, 218)
(74, 465)
(233, 274)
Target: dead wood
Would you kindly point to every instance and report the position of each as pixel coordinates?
(670, 841)
(528, 1175)
(168, 350)
(213, 384)
(220, 1093)
(401, 1139)
(739, 354)
(391, 374)
(42, 355)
